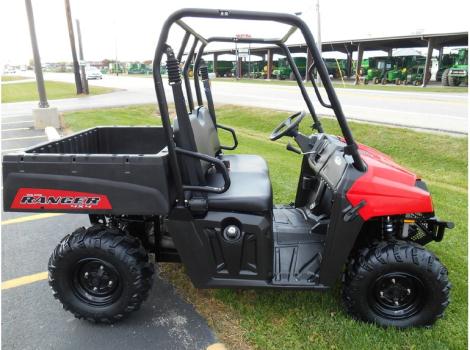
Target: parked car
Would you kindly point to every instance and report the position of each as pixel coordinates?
(9, 71)
(93, 73)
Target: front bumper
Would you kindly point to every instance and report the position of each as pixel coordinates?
(433, 229)
(426, 228)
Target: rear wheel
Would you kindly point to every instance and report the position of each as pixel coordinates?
(376, 80)
(398, 284)
(445, 78)
(100, 274)
(453, 81)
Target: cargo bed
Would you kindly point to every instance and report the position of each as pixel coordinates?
(103, 170)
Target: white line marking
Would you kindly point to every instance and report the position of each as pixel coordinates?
(15, 116)
(25, 138)
(12, 150)
(19, 122)
(15, 129)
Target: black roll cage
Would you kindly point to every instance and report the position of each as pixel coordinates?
(295, 22)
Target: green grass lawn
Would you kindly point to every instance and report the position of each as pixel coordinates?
(338, 84)
(54, 90)
(12, 77)
(267, 319)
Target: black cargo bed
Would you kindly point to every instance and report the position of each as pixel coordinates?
(103, 170)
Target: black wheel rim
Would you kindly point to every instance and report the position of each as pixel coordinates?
(397, 295)
(96, 282)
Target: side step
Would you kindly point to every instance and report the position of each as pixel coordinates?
(297, 264)
(297, 250)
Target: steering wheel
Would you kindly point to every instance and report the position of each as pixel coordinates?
(287, 126)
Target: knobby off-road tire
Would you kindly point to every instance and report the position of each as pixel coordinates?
(100, 274)
(396, 283)
(445, 78)
(453, 81)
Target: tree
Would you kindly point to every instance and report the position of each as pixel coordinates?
(105, 62)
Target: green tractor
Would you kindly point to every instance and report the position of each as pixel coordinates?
(139, 68)
(446, 61)
(116, 68)
(376, 68)
(256, 69)
(458, 73)
(252, 69)
(396, 75)
(283, 71)
(333, 69)
(415, 75)
(224, 68)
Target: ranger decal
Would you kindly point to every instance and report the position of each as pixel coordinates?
(41, 198)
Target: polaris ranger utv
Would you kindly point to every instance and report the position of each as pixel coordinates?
(172, 192)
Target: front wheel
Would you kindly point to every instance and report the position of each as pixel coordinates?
(100, 274)
(398, 284)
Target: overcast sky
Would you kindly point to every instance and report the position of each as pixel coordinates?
(131, 28)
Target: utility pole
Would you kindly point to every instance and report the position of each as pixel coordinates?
(37, 59)
(45, 115)
(82, 60)
(115, 52)
(237, 64)
(317, 9)
(78, 82)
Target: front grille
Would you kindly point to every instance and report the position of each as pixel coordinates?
(458, 72)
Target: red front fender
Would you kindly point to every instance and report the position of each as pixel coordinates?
(387, 188)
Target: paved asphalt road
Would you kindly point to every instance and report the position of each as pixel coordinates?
(33, 319)
(435, 111)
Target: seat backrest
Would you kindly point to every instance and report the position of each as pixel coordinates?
(205, 134)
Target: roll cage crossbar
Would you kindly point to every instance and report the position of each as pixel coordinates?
(294, 21)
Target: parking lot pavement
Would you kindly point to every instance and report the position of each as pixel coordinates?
(33, 319)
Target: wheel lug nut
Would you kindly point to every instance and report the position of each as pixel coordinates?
(95, 289)
(110, 283)
(396, 303)
(85, 275)
(408, 291)
(381, 294)
(393, 280)
(101, 267)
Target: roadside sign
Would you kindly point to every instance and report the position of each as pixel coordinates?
(243, 36)
(243, 52)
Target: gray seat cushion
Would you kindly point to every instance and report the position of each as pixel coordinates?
(248, 192)
(246, 163)
(250, 189)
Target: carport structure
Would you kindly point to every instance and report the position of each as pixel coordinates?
(348, 47)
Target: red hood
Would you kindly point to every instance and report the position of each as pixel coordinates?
(387, 188)
(369, 152)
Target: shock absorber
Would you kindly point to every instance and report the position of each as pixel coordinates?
(388, 227)
(186, 140)
(173, 68)
(207, 89)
